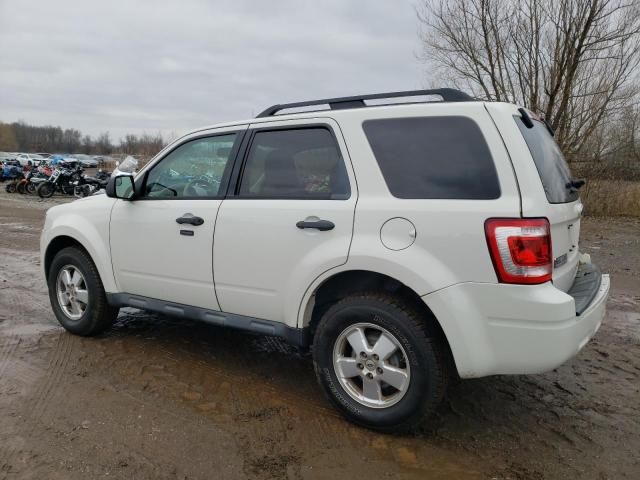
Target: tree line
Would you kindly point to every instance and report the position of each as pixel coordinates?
(22, 137)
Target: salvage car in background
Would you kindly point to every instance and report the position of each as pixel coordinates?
(29, 159)
(87, 161)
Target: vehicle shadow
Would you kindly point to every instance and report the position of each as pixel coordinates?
(523, 423)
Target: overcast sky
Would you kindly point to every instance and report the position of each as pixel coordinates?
(169, 66)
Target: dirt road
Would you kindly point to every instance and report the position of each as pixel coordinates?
(160, 398)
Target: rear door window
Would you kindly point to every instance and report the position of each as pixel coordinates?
(433, 158)
(552, 167)
(300, 163)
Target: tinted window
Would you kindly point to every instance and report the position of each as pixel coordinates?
(552, 167)
(433, 157)
(300, 163)
(192, 170)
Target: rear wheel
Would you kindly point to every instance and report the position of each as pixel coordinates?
(77, 295)
(45, 190)
(20, 188)
(380, 362)
(31, 188)
(11, 187)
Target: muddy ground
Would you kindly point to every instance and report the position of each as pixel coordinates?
(159, 398)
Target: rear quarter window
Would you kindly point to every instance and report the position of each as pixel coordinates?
(433, 158)
(550, 163)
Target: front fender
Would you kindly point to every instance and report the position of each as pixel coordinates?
(90, 228)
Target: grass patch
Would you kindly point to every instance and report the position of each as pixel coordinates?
(611, 198)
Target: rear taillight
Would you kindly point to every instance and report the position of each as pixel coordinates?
(520, 249)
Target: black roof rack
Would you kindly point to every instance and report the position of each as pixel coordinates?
(340, 103)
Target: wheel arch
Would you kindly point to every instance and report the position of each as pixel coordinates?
(348, 282)
(57, 244)
(66, 239)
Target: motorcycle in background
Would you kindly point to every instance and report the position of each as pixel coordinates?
(14, 174)
(61, 180)
(86, 185)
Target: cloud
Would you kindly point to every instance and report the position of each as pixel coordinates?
(124, 66)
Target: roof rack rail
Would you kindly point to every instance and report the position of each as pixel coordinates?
(340, 103)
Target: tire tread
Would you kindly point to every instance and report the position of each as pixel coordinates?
(427, 335)
(102, 315)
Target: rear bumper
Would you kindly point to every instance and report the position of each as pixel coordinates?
(516, 329)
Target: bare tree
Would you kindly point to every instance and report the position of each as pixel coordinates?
(103, 144)
(571, 60)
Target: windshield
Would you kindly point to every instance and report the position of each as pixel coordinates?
(552, 167)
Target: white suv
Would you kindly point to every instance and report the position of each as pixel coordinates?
(405, 243)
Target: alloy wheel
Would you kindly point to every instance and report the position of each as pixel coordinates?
(72, 292)
(371, 365)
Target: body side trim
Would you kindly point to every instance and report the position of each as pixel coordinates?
(295, 336)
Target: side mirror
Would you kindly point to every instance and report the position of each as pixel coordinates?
(121, 186)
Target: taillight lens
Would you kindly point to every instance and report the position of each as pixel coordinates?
(520, 249)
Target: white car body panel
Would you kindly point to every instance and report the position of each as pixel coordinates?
(497, 329)
(263, 263)
(86, 221)
(152, 258)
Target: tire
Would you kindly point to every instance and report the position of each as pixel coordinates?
(416, 341)
(10, 188)
(45, 190)
(20, 188)
(31, 188)
(97, 315)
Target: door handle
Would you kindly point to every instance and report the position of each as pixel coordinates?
(190, 219)
(322, 225)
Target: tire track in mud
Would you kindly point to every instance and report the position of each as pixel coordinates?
(33, 410)
(7, 451)
(10, 345)
(55, 370)
(26, 292)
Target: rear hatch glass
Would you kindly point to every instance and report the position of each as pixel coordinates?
(552, 167)
(564, 209)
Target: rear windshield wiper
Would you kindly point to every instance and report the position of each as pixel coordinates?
(528, 122)
(575, 184)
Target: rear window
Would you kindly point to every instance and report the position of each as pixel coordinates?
(433, 157)
(552, 167)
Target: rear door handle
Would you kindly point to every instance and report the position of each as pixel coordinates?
(190, 219)
(322, 225)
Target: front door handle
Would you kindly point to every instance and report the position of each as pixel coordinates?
(322, 225)
(190, 219)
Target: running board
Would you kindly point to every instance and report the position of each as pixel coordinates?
(295, 336)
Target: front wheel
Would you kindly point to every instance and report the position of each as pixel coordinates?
(31, 188)
(77, 295)
(11, 187)
(21, 188)
(45, 190)
(380, 362)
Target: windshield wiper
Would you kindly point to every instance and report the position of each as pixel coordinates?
(575, 184)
